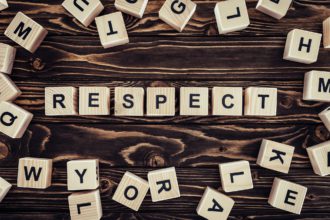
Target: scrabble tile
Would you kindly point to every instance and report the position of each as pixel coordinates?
(85, 205)
(326, 33)
(132, 7)
(8, 90)
(4, 188)
(83, 174)
(163, 184)
(319, 156)
(34, 173)
(177, 13)
(287, 196)
(227, 101)
(231, 15)
(275, 156)
(260, 101)
(160, 101)
(275, 8)
(214, 205)
(60, 101)
(84, 11)
(194, 101)
(236, 176)
(112, 30)
(26, 32)
(317, 86)
(131, 191)
(325, 117)
(13, 120)
(129, 101)
(7, 58)
(3, 5)
(94, 101)
(302, 46)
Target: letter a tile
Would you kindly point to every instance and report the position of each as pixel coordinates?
(319, 156)
(317, 86)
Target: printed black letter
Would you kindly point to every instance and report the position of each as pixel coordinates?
(91, 100)
(58, 98)
(135, 193)
(224, 101)
(278, 156)
(22, 33)
(289, 196)
(78, 6)
(81, 175)
(301, 44)
(323, 87)
(128, 99)
(216, 207)
(32, 171)
(166, 185)
(181, 7)
(238, 14)
(263, 100)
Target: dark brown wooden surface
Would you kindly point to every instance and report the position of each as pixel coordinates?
(159, 56)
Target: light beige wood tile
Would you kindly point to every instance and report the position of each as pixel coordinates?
(60, 101)
(326, 33)
(94, 101)
(274, 8)
(8, 90)
(160, 101)
(317, 86)
(227, 101)
(194, 101)
(260, 101)
(4, 188)
(3, 5)
(7, 58)
(325, 117)
(129, 101)
(319, 156)
(132, 7)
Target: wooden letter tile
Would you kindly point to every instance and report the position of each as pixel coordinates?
(4, 188)
(60, 101)
(325, 117)
(287, 196)
(8, 90)
(317, 86)
(26, 32)
(215, 205)
(194, 101)
(302, 46)
(236, 176)
(260, 101)
(163, 184)
(326, 33)
(227, 101)
(131, 191)
(129, 101)
(275, 156)
(7, 58)
(275, 8)
(94, 101)
(3, 5)
(319, 156)
(132, 7)
(34, 173)
(160, 101)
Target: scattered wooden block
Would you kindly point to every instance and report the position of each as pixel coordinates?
(4, 188)
(275, 156)
(129, 101)
(274, 8)
(325, 117)
(85, 206)
(319, 156)
(84, 11)
(302, 46)
(94, 101)
(60, 101)
(260, 101)
(26, 32)
(227, 101)
(131, 191)
(160, 101)
(13, 120)
(7, 58)
(3, 5)
(177, 13)
(135, 8)
(8, 90)
(194, 101)
(215, 205)
(326, 33)
(317, 86)
(112, 30)
(236, 176)
(34, 173)
(231, 15)
(287, 196)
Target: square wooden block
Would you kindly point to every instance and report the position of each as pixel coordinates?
(129, 101)
(275, 156)
(112, 30)
(94, 101)
(34, 173)
(215, 205)
(83, 174)
(302, 46)
(275, 8)
(287, 196)
(4, 188)
(13, 120)
(177, 13)
(7, 58)
(260, 101)
(131, 191)
(163, 184)
(325, 117)
(60, 101)
(194, 101)
(227, 101)
(85, 206)
(326, 33)
(231, 15)
(84, 11)
(319, 156)
(26, 32)
(160, 101)
(317, 86)
(236, 176)
(3, 5)
(135, 8)
(8, 90)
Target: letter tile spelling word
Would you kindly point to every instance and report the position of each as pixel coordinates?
(302, 46)
(60, 101)
(231, 15)
(7, 58)
(13, 120)
(177, 13)
(325, 117)
(260, 101)
(129, 101)
(287, 196)
(131, 191)
(85, 206)
(3, 5)
(319, 156)
(112, 30)
(4, 188)
(236, 176)
(194, 101)
(132, 7)
(83, 174)
(26, 32)
(163, 184)
(227, 101)
(275, 156)
(8, 90)
(34, 173)
(84, 11)
(275, 8)
(326, 33)
(317, 86)
(214, 205)
(94, 101)
(160, 101)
